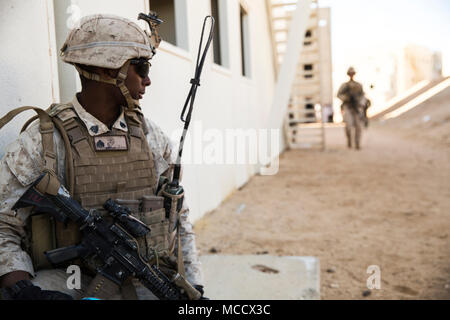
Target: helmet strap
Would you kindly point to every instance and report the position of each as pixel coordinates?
(119, 82)
(95, 77)
(123, 72)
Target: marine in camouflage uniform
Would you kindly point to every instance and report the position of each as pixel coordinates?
(351, 94)
(109, 42)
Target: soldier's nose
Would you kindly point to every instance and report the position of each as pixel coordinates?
(147, 81)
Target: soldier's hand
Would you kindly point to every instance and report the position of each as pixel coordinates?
(25, 290)
(200, 289)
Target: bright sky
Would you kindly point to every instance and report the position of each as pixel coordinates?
(367, 26)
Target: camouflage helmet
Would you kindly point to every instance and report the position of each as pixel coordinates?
(110, 42)
(107, 41)
(351, 71)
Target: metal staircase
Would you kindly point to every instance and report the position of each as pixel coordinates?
(303, 122)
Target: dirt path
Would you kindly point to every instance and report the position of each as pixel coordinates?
(386, 205)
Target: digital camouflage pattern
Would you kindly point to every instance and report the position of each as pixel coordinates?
(106, 41)
(22, 165)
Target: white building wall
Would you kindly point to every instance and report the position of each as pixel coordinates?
(27, 61)
(415, 64)
(225, 99)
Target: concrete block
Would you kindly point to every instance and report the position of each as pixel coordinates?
(261, 277)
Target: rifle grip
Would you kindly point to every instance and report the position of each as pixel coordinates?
(61, 255)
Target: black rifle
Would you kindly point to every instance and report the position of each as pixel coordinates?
(111, 242)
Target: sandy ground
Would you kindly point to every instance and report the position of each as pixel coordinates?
(386, 205)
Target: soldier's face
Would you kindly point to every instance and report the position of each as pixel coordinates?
(136, 83)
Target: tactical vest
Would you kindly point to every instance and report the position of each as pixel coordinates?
(117, 165)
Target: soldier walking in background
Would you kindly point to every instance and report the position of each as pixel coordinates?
(351, 94)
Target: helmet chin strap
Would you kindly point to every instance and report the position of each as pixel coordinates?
(118, 81)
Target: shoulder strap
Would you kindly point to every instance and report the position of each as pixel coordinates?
(46, 128)
(60, 114)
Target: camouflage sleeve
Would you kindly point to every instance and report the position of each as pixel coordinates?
(167, 157)
(12, 224)
(18, 169)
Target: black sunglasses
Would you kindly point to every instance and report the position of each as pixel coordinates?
(142, 67)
